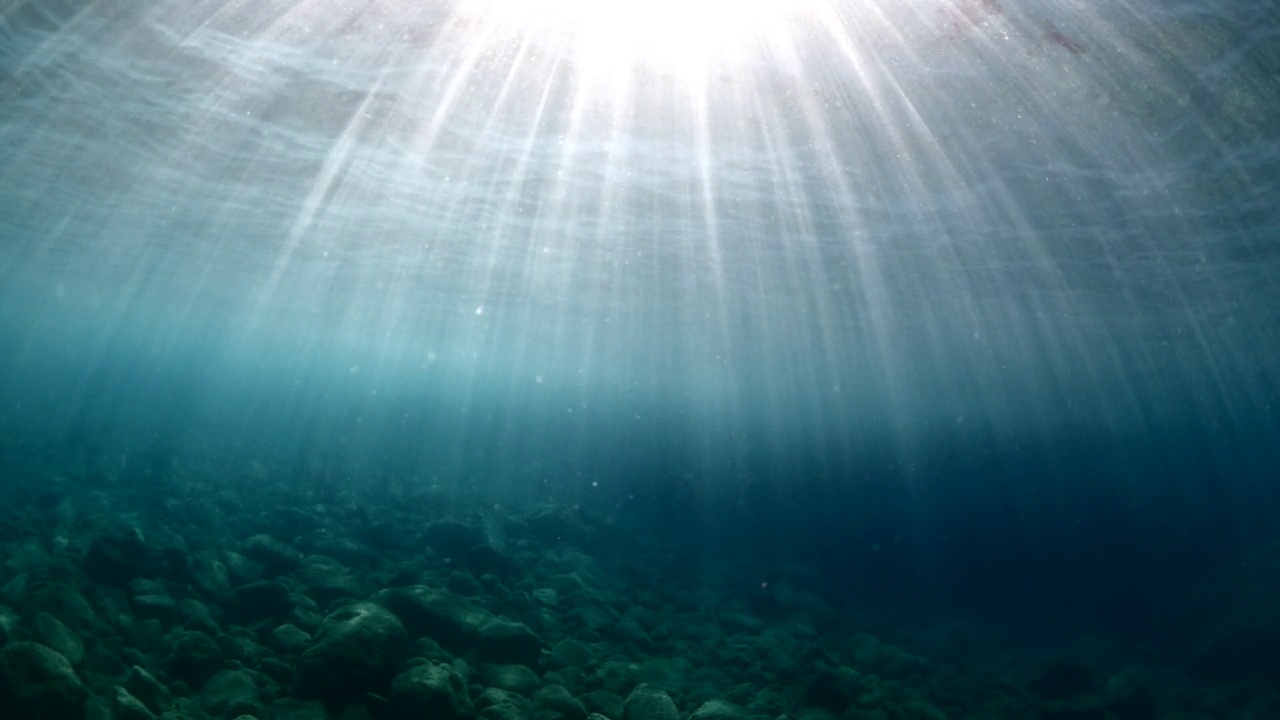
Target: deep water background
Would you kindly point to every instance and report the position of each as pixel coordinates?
(962, 325)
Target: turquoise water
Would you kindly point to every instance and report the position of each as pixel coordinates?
(968, 307)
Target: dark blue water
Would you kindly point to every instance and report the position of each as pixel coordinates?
(959, 310)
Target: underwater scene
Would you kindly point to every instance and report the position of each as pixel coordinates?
(639, 360)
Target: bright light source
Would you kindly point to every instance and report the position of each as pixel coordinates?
(616, 36)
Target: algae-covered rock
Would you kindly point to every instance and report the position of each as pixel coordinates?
(127, 707)
(274, 556)
(230, 693)
(558, 700)
(36, 683)
(194, 658)
(53, 634)
(718, 710)
(143, 686)
(514, 678)
(357, 649)
(262, 600)
(649, 702)
(430, 690)
(460, 626)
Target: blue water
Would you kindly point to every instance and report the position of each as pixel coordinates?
(965, 317)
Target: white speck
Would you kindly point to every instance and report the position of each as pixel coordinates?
(480, 310)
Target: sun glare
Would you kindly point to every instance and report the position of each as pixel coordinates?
(686, 37)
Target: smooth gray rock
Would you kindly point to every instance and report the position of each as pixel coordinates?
(36, 683)
(357, 649)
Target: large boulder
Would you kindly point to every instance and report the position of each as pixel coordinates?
(36, 683)
(357, 649)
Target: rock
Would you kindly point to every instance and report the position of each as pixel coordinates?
(9, 620)
(275, 557)
(357, 649)
(36, 683)
(53, 634)
(452, 539)
(291, 709)
(326, 580)
(648, 702)
(430, 690)
(118, 557)
(438, 614)
(194, 658)
(464, 584)
(558, 699)
(241, 570)
(1128, 697)
(143, 686)
(230, 693)
(718, 710)
(1063, 678)
(834, 689)
(212, 578)
(289, 639)
(514, 678)
(266, 599)
(127, 707)
(103, 661)
(158, 607)
(493, 696)
(741, 622)
(603, 702)
(67, 604)
(195, 615)
(505, 641)
(486, 558)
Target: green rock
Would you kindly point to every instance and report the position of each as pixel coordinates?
(51, 632)
(514, 678)
(274, 556)
(430, 690)
(718, 710)
(194, 658)
(648, 702)
(143, 686)
(127, 707)
(230, 693)
(36, 683)
(561, 701)
(357, 649)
